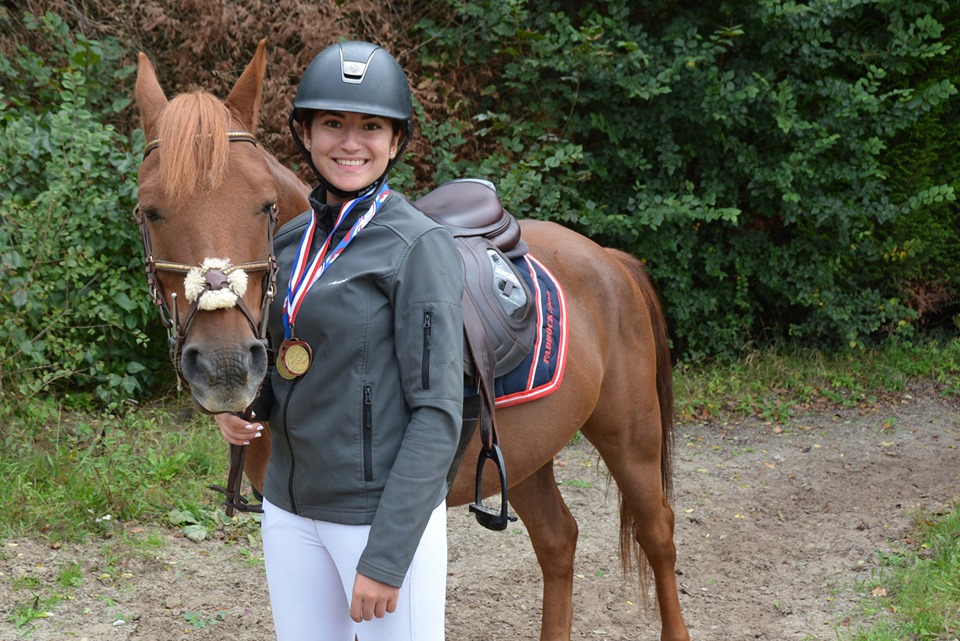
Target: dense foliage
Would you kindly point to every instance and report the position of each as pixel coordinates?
(918, 159)
(72, 294)
(786, 169)
(748, 151)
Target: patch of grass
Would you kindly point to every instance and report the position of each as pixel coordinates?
(71, 576)
(23, 614)
(38, 598)
(917, 595)
(250, 559)
(199, 620)
(42, 598)
(26, 583)
(777, 386)
(196, 523)
(70, 473)
(118, 551)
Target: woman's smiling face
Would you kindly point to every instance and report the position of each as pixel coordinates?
(350, 150)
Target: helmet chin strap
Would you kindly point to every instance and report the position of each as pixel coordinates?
(328, 188)
(326, 184)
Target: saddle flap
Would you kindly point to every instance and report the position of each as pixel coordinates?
(505, 308)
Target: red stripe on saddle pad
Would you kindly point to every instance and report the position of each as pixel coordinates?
(541, 373)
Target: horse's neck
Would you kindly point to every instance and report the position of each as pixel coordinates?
(292, 193)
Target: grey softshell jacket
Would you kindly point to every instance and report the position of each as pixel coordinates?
(367, 435)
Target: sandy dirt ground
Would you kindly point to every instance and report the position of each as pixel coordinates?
(777, 526)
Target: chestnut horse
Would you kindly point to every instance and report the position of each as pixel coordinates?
(206, 195)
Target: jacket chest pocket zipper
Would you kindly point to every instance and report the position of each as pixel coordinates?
(367, 433)
(425, 365)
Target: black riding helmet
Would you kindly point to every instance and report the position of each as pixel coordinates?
(358, 77)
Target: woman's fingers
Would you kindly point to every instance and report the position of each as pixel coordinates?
(237, 430)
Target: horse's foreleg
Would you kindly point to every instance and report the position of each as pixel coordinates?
(553, 533)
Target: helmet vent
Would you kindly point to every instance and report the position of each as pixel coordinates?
(353, 71)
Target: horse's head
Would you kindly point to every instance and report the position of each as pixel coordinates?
(207, 207)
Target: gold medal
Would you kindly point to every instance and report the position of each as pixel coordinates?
(293, 359)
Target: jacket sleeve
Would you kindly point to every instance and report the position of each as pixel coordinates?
(428, 326)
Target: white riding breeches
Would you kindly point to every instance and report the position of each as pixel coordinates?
(311, 566)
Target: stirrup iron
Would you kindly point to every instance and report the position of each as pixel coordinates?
(490, 517)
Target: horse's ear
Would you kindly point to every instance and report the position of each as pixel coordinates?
(244, 98)
(150, 97)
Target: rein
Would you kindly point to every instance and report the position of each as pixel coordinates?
(214, 284)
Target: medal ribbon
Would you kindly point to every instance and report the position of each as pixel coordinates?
(303, 277)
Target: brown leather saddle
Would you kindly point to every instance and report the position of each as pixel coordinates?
(499, 321)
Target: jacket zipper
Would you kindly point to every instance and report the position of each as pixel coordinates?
(367, 433)
(293, 463)
(425, 365)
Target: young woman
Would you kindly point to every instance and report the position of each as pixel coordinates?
(365, 402)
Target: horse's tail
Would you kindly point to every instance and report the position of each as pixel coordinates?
(664, 365)
(629, 548)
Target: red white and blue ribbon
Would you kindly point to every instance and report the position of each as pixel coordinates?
(304, 276)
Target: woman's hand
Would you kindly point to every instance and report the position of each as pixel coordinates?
(237, 430)
(372, 599)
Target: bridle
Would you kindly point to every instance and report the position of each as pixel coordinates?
(216, 284)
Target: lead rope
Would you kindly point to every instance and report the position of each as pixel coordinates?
(234, 501)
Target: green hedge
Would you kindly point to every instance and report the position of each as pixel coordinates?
(73, 305)
(924, 246)
(742, 149)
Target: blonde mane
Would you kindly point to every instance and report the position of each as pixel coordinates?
(194, 147)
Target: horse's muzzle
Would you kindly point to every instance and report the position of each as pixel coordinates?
(224, 377)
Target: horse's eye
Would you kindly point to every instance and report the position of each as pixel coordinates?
(151, 215)
(269, 210)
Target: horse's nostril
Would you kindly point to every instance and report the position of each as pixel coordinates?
(223, 367)
(190, 362)
(258, 356)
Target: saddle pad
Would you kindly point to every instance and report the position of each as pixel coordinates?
(541, 372)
